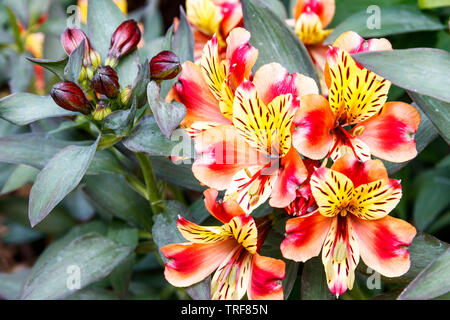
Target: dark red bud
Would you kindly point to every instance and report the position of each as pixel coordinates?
(68, 95)
(165, 65)
(106, 82)
(124, 40)
(71, 38)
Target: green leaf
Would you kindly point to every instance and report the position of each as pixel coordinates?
(424, 136)
(59, 177)
(11, 283)
(432, 197)
(394, 20)
(432, 282)
(420, 70)
(55, 66)
(147, 137)
(277, 7)
(275, 41)
(165, 232)
(168, 116)
(37, 149)
(431, 4)
(139, 91)
(112, 195)
(120, 121)
(290, 277)
(21, 73)
(128, 69)
(24, 108)
(93, 255)
(178, 174)
(346, 8)
(15, 209)
(314, 282)
(75, 63)
(120, 277)
(103, 18)
(21, 176)
(93, 294)
(437, 111)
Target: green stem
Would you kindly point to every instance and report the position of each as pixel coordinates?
(152, 192)
(137, 185)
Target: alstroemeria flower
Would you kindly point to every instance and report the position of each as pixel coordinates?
(230, 251)
(213, 17)
(356, 118)
(354, 200)
(311, 18)
(207, 90)
(253, 158)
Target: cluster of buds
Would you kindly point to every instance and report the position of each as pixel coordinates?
(100, 83)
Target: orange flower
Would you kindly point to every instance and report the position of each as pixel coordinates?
(230, 251)
(354, 200)
(356, 118)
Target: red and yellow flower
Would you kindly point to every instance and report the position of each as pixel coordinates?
(230, 251)
(311, 17)
(354, 199)
(356, 117)
(207, 90)
(213, 17)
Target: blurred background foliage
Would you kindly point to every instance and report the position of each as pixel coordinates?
(32, 29)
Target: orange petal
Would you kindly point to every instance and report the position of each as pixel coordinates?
(360, 172)
(291, 175)
(390, 134)
(189, 263)
(241, 56)
(223, 211)
(194, 93)
(222, 153)
(266, 279)
(305, 237)
(353, 43)
(384, 244)
(314, 122)
(272, 80)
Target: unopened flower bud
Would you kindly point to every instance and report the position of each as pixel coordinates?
(101, 111)
(124, 40)
(96, 60)
(68, 95)
(71, 38)
(106, 82)
(125, 95)
(164, 66)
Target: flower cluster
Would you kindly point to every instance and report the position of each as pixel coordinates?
(269, 136)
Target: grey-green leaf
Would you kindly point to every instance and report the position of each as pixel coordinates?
(23, 108)
(437, 111)
(314, 282)
(275, 41)
(432, 282)
(420, 70)
(90, 256)
(394, 20)
(59, 177)
(75, 63)
(55, 66)
(147, 137)
(168, 116)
